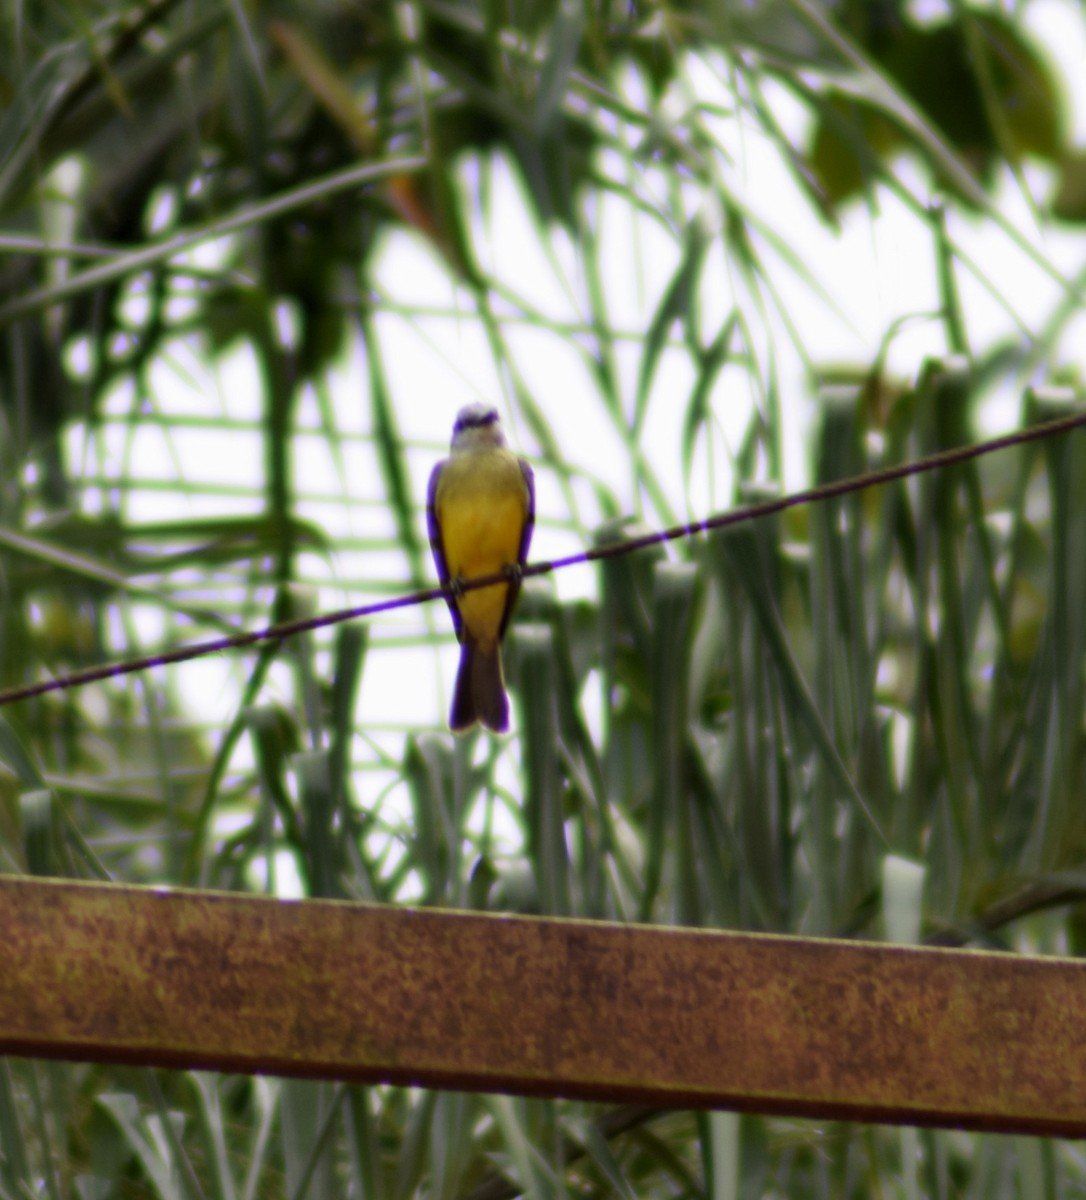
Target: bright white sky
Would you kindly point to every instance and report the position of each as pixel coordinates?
(878, 268)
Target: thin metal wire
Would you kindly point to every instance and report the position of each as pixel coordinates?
(754, 512)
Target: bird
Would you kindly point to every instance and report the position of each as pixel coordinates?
(480, 511)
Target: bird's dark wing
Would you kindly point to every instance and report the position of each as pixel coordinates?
(529, 521)
(436, 547)
(525, 542)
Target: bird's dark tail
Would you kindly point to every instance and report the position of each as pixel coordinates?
(480, 689)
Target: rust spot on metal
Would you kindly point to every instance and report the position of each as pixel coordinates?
(667, 1017)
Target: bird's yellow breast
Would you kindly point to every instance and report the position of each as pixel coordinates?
(481, 504)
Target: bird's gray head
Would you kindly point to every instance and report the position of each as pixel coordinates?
(477, 427)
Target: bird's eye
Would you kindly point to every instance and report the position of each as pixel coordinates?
(478, 418)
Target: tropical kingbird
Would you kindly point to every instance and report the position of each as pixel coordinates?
(480, 509)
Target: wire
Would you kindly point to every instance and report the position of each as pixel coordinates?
(754, 512)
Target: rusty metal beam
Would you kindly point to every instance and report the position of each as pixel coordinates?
(668, 1017)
